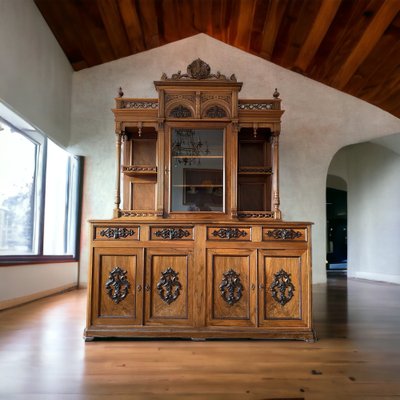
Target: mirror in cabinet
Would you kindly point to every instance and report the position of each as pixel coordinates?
(197, 170)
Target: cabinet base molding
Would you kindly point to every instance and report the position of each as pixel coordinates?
(199, 335)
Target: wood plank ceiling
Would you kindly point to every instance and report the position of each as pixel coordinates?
(351, 45)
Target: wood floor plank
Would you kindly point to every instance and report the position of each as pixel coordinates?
(43, 355)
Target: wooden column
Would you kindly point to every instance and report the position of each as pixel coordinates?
(117, 200)
(275, 176)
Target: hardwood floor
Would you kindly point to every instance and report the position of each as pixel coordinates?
(43, 355)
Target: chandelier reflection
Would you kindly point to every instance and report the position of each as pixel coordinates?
(187, 148)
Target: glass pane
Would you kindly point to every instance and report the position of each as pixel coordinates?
(197, 170)
(56, 201)
(17, 193)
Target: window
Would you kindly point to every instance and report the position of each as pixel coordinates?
(39, 195)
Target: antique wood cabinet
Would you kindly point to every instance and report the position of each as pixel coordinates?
(197, 247)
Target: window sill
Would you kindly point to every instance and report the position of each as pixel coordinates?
(11, 261)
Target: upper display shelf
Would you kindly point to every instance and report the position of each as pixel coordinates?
(197, 151)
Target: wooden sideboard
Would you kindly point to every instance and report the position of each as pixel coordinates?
(197, 247)
(200, 280)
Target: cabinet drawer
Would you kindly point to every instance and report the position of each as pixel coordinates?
(286, 234)
(171, 233)
(231, 233)
(116, 233)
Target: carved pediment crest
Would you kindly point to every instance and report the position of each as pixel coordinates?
(199, 70)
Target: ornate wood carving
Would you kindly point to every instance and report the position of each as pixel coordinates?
(169, 286)
(256, 170)
(207, 97)
(180, 112)
(172, 233)
(215, 112)
(231, 288)
(117, 285)
(198, 70)
(137, 105)
(138, 168)
(284, 234)
(256, 106)
(117, 233)
(282, 287)
(173, 97)
(133, 213)
(263, 215)
(229, 233)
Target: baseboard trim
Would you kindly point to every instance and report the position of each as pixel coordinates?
(5, 304)
(371, 276)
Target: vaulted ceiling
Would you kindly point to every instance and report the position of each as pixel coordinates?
(351, 45)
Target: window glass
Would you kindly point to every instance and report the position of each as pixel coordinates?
(18, 160)
(56, 200)
(197, 170)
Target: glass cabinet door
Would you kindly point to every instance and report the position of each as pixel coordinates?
(197, 170)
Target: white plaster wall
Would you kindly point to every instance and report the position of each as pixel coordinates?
(372, 173)
(317, 122)
(25, 280)
(35, 75)
(36, 82)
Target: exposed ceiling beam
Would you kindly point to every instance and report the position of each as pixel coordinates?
(385, 15)
(317, 33)
(275, 13)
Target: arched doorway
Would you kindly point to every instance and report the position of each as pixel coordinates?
(336, 223)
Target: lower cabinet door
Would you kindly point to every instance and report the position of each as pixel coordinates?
(283, 288)
(169, 297)
(231, 287)
(117, 286)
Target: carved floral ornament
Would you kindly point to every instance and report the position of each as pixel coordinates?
(168, 287)
(117, 285)
(282, 287)
(198, 70)
(231, 287)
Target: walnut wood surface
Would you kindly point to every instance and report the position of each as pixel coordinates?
(342, 43)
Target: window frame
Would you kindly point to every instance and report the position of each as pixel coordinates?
(73, 213)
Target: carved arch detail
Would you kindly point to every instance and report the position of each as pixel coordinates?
(213, 109)
(180, 109)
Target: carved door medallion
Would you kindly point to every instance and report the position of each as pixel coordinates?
(169, 286)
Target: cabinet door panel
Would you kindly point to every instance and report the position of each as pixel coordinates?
(118, 279)
(283, 287)
(168, 287)
(231, 283)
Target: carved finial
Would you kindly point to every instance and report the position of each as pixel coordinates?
(120, 92)
(164, 76)
(233, 78)
(276, 94)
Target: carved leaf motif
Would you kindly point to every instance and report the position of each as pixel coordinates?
(215, 112)
(117, 233)
(169, 286)
(282, 287)
(284, 234)
(231, 287)
(117, 285)
(180, 112)
(229, 233)
(172, 233)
